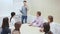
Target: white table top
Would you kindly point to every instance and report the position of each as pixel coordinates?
(25, 29)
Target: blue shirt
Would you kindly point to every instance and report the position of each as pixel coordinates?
(24, 11)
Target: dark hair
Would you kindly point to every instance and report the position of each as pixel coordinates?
(12, 14)
(17, 26)
(46, 27)
(5, 22)
(24, 1)
(39, 13)
(50, 18)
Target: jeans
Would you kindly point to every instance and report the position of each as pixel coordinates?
(24, 18)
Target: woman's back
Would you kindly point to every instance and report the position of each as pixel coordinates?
(5, 31)
(5, 26)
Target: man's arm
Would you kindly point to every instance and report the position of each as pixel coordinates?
(21, 11)
(27, 8)
(32, 23)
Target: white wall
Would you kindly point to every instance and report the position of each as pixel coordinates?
(17, 4)
(6, 6)
(47, 7)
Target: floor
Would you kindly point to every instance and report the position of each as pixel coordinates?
(26, 29)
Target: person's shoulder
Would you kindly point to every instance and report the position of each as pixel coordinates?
(45, 23)
(53, 23)
(15, 32)
(41, 17)
(50, 32)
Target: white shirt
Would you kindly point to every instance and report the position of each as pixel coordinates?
(54, 28)
(38, 21)
(14, 20)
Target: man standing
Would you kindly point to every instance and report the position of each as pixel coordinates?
(24, 12)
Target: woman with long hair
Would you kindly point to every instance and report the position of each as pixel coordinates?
(5, 26)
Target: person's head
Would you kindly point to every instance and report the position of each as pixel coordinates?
(5, 22)
(17, 25)
(50, 18)
(25, 3)
(38, 14)
(46, 27)
(12, 14)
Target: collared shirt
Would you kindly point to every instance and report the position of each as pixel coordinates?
(38, 21)
(24, 11)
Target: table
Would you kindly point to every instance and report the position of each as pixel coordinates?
(25, 29)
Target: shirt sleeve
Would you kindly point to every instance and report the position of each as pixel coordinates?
(40, 23)
(27, 8)
(53, 28)
(34, 21)
(21, 9)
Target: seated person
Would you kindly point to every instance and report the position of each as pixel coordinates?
(38, 21)
(5, 26)
(53, 27)
(12, 15)
(17, 28)
(14, 18)
(46, 28)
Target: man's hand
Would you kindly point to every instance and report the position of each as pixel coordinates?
(42, 30)
(30, 24)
